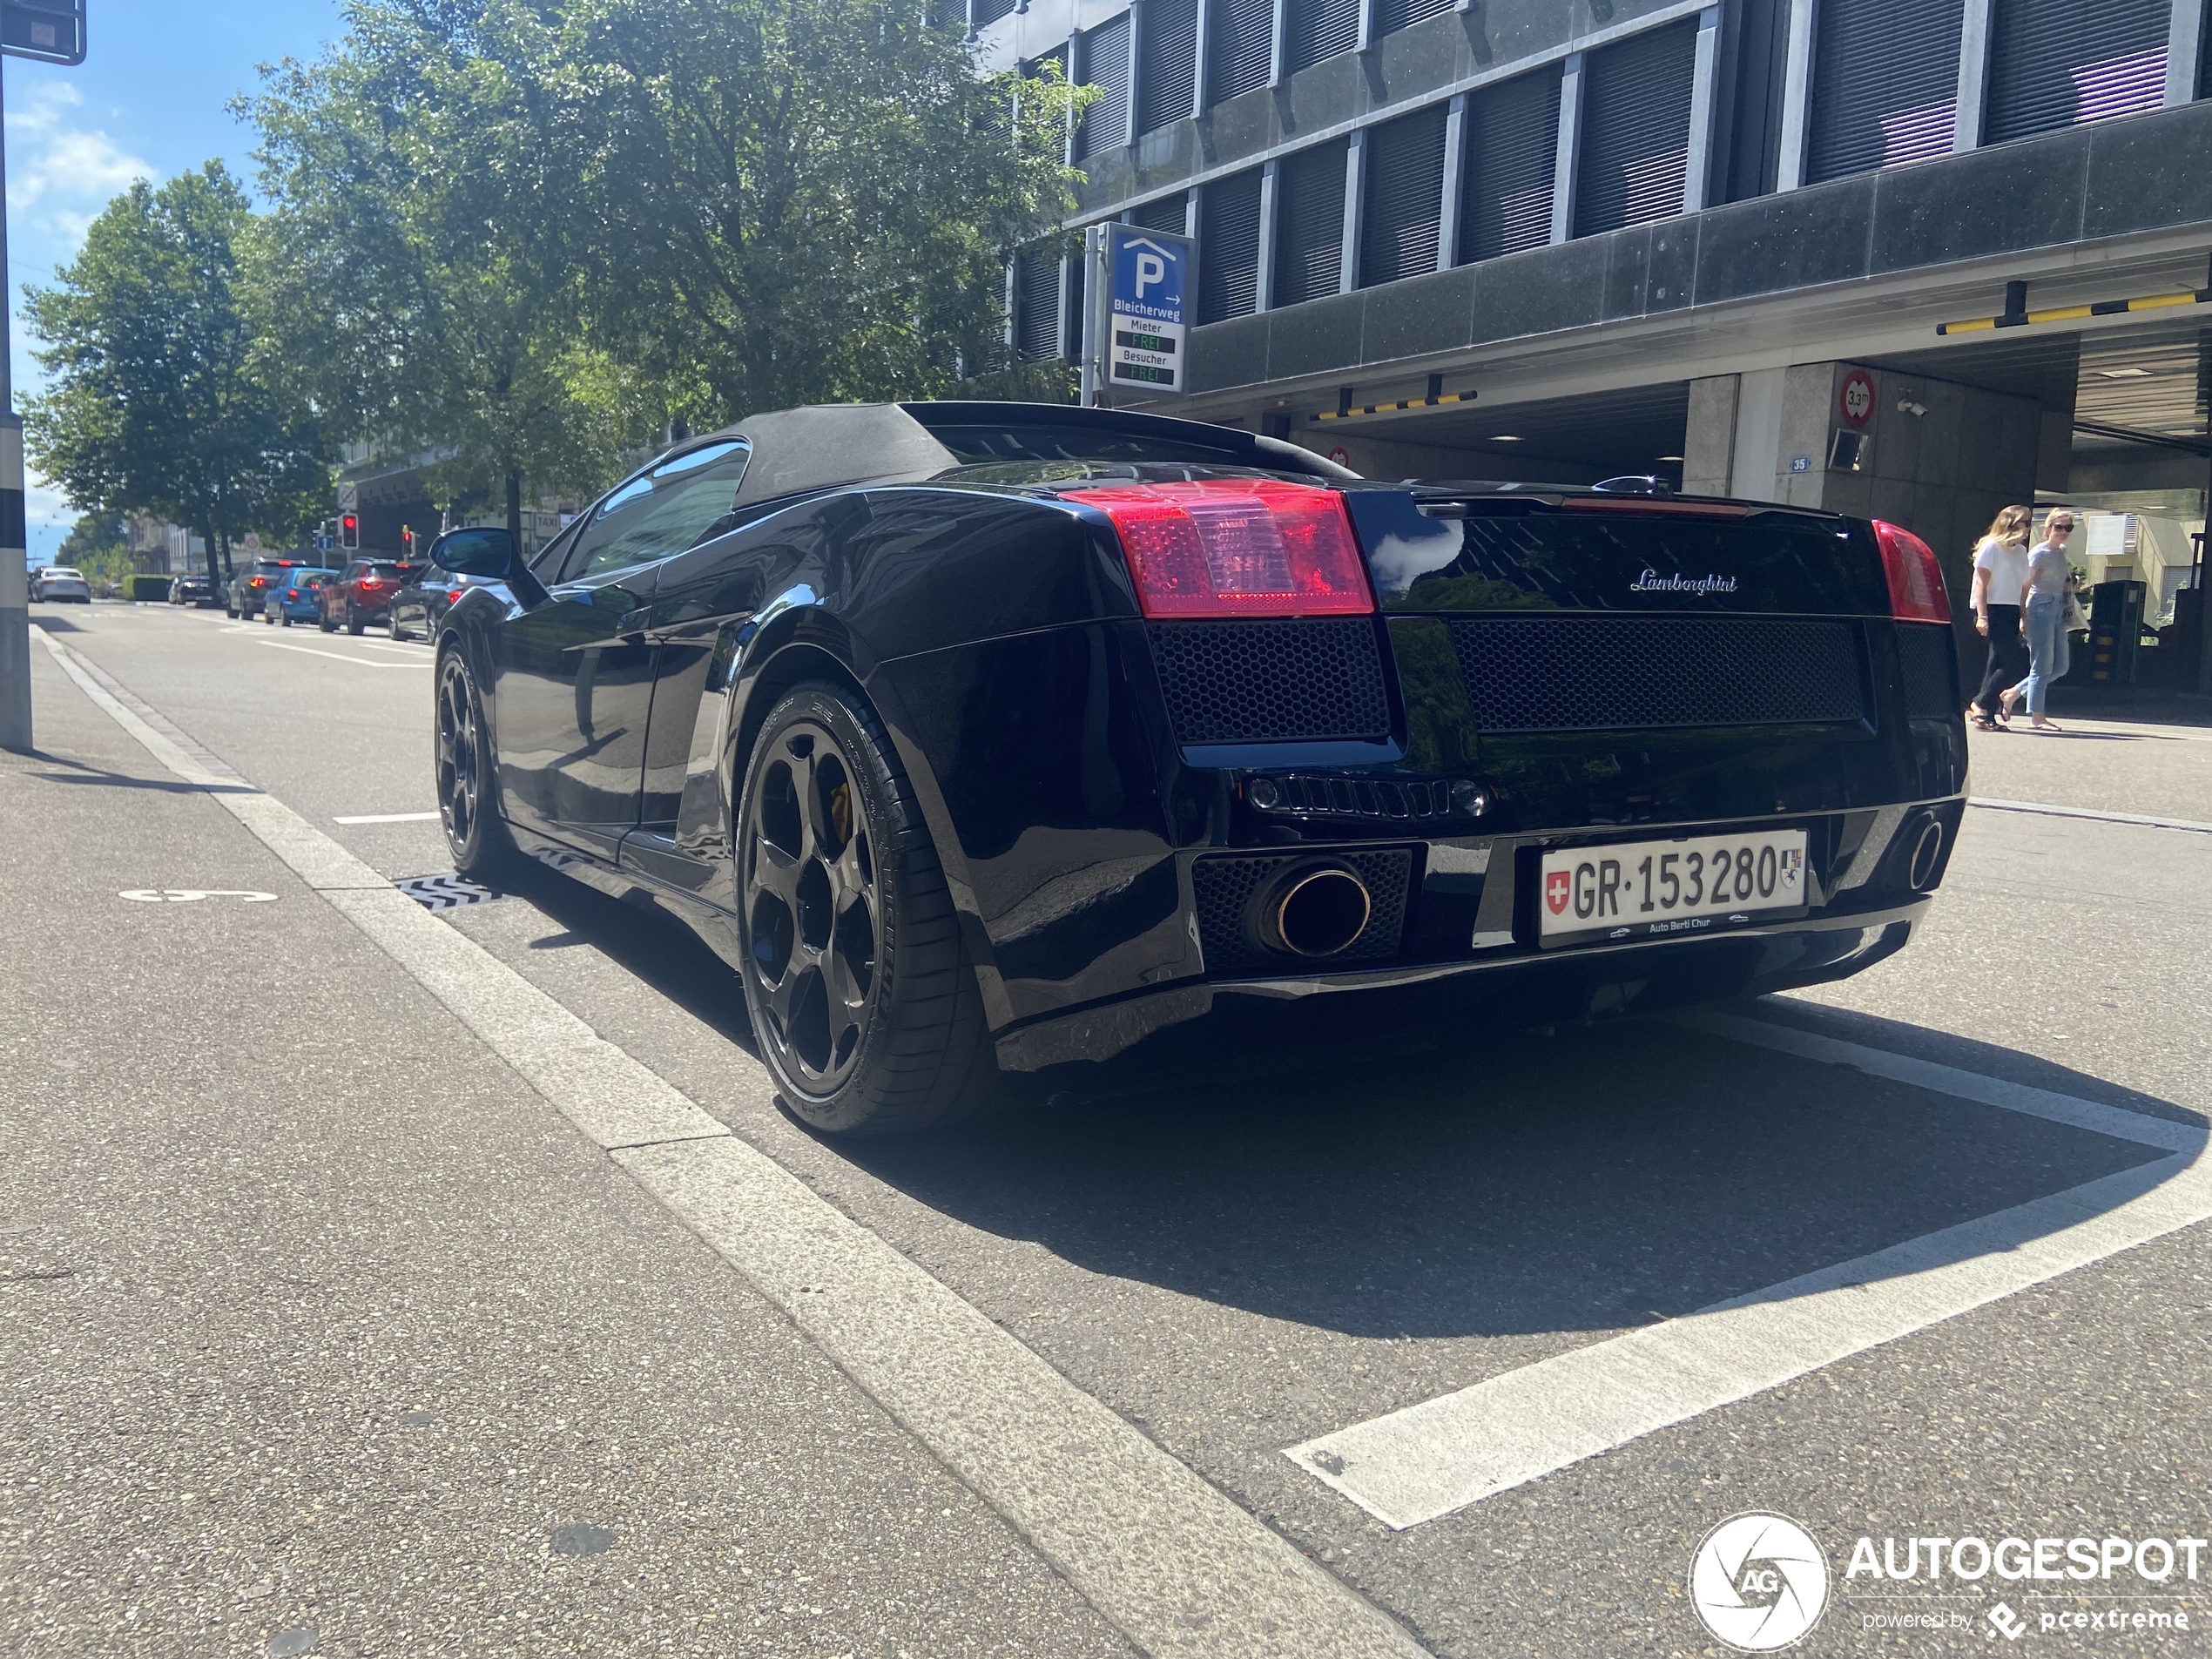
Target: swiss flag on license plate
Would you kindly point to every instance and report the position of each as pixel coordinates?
(1556, 892)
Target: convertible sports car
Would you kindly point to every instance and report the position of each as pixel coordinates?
(986, 738)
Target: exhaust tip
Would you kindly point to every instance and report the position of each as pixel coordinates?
(1927, 856)
(1317, 911)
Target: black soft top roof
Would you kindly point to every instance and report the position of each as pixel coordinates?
(821, 445)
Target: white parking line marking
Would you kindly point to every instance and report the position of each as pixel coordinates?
(337, 657)
(1179, 1568)
(2155, 822)
(387, 817)
(1427, 1460)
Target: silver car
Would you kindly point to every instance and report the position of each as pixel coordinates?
(59, 584)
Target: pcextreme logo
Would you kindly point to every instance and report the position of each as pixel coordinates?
(1759, 1583)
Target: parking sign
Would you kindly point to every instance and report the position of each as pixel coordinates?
(1147, 318)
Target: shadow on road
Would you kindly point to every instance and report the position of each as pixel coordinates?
(1496, 1183)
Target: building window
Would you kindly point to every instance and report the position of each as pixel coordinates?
(1391, 16)
(1319, 29)
(1885, 84)
(1243, 47)
(1169, 213)
(1404, 204)
(2058, 63)
(1636, 130)
(1229, 247)
(1308, 224)
(1105, 57)
(1512, 160)
(1036, 303)
(1167, 70)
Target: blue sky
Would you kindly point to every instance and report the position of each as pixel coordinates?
(149, 101)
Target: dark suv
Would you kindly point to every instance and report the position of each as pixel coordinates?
(361, 595)
(249, 589)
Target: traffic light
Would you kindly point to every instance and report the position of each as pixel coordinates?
(349, 531)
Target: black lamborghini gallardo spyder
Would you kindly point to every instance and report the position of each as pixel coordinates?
(988, 739)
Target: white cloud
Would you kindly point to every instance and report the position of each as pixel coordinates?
(54, 160)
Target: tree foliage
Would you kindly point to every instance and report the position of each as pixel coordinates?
(155, 403)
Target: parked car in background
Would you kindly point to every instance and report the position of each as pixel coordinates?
(297, 598)
(59, 584)
(195, 590)
(250, 586)
(361, 595)
(429, 595)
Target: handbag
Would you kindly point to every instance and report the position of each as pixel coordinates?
(2077, 619)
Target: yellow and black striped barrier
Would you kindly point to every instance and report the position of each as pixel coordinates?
(2070, 313)
(1345, 412)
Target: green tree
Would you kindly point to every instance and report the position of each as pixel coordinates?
(415, 281)
(99, 547)
(786, 201)
(155, 403)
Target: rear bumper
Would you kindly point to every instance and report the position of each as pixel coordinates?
(1389, 1005)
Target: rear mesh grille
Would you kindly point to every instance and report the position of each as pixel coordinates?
(1224, 886)
(1624, 673)
(1357, 796)
(1931, 679)
(1270, 682)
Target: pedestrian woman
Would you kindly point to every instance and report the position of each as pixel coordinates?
(2049, 577)
(2000, 575)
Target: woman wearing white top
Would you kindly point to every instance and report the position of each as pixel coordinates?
(2000, 576)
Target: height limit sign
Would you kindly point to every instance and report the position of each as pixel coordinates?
(1147, 291)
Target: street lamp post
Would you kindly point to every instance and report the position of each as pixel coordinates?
(50, 31)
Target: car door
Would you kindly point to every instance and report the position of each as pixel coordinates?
(574, 676)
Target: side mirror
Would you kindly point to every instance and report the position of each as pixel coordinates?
(478, 550)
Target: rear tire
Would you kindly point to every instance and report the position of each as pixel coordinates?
(325, 624)
(392, 624)
(862, 997)
(354, 623)
(467, 778)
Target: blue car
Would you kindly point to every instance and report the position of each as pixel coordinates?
(293, 598)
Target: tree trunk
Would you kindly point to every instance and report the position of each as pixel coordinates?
(515, 509)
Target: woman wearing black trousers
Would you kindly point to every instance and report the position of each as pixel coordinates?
(2000, 574)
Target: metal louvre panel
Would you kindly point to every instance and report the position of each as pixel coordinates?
(2058, 63)
(1036, 306)
(1105, 66)
(1642, 673)
(1167, 70)
(1391, 16)
(1243, 46)
(1228, 232)
(1318, 29)
(989, 11)
(1512, 160)
(1271, 681)
(1169, 213)
(1405, 199)
(1308, 224)
(1636, 130)
(1885, 84)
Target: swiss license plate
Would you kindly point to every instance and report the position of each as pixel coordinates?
(1654, 889)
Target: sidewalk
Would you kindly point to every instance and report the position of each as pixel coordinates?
(315, 1318)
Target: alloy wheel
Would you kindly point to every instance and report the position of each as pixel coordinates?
(812, 905)
(460, 770)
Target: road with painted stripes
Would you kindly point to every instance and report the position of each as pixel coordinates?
(390, 1267)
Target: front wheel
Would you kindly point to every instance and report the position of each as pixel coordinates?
(863, 1001)
(467, 778)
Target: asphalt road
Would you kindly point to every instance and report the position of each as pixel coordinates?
(316, 1316)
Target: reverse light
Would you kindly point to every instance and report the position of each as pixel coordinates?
(1915, 578)
(1237, 547)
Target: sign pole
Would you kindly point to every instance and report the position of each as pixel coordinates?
(1096, 278)
(14, 557)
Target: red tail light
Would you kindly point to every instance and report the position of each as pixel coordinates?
(369, 584)
(292, 593)
(1916, 580)
(258, 582)
(1237, 547)
(453, 594)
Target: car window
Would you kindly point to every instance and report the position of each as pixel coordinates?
(660, 512)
